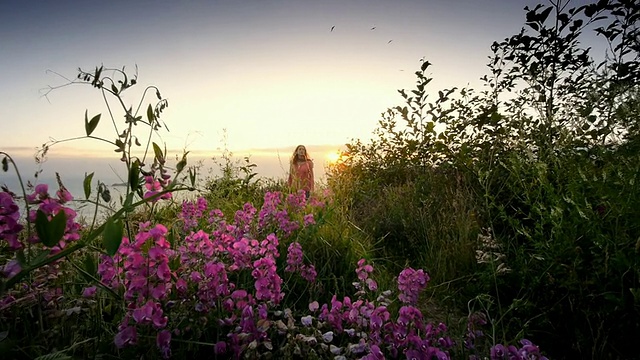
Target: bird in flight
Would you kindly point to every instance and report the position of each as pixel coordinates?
(332, 28)
(389, 42)
(373, 28)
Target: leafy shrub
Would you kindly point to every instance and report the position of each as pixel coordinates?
(538, 172)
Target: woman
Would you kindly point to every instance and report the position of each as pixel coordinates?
(301, 171)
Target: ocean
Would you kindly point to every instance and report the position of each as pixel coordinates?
(112, 172)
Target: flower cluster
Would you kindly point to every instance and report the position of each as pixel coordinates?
(9, 220)
(192, 212)
(155, 186)
(372, 330)
(410, 283)
(200, 278)
(10, 226)
(365, 282)
(283, 215)
(51, 206)
(528, 351)
(227, 276)
(295, 264)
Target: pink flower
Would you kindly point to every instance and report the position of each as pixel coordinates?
(410, 283)
(313, 307)
(309, 220)
(64, 195)
(89, 292)
(9, 221)
(126, 336)
(163, 340)
(11, 269)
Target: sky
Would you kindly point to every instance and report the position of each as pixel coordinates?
(256, 77)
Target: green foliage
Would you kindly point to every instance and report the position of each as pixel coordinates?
(50, 231)
(536, 175)
(236, 184)
(112, 236)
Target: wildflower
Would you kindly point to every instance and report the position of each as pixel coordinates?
(313, 307)
(309, 220)
(163, 340)
(220, 347)
(294, 257)
(9, 217)
(154, 187)
(410, 283)
(11, 268)
(126, 336)
(64, 195)
(374, 353)
(327, 337)
(89, 292)
(498, 352)
(306, 320)
(308, 273)
(268, 283)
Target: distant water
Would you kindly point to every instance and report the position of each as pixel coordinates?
(112, 172)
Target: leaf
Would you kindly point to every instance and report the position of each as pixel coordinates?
(41, 224)
(171, 237)
(129, 200)
(158, 152)
(150, 115)
(590, 10)
(40, 256)
(89, 265)
(105, 194)
(192, 176)
(5, 164)
(86, 184)
(425, 65)
(50, 232)
(134, 178)
(112, 236)
(542, 17)
(90, 125)
(182, 163)
(57, 226)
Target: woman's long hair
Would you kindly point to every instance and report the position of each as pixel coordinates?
(294, 157)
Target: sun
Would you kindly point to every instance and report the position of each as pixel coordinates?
(333, 157)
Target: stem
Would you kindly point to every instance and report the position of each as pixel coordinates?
(82, 137)
(97, 281)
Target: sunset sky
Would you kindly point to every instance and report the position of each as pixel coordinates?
(270, 73)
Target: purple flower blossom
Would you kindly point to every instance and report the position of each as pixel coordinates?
(64, 195)
(126, 336)
(309, 220)
(498, 352)
(11, 268)
(410, 283)
(220, 347)
(268, 283)
(163, 340)
(294, 257)
(9, 217)
(313, 307)
(306, 320)
(89, 292)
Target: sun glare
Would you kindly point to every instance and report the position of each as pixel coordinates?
(333, 157)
